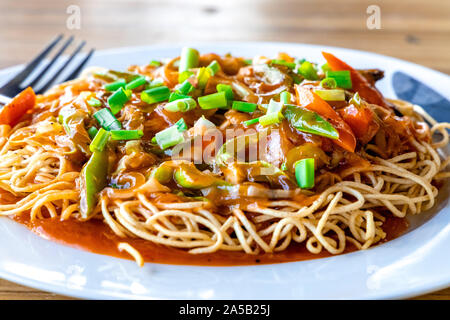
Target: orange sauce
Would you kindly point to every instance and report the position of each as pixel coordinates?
(95, 236)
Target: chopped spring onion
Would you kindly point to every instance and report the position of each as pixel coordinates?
(158, 82)
(241, 90)
(203, 76)
(154, 95)
(248, 61)
(290, 65)
(185, 88)
(203, 122)
(212, 101)
(113, 86)
(176, 96)
(95, 103)
(308, 71)
(304, 173)
(107, 120)
(183, 76)
(274, 106)
(118, 99)
(271, 118)
(181, 125)
(213, 67)
(325, 68)
(100, 140)
(328, 83)
(136, 83)
(169, 137)
(181, 105)
(356, 99)
(126, 134)
(227, 89)
(285, 97)
(155, 63)
(331, 94)
(92, 131)
(244, 106)
(342, 78)
(188, 59)
(250, 122)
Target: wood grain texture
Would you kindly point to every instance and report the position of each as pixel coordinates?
(412, 30)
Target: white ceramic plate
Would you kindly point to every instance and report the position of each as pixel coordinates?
(416, 263)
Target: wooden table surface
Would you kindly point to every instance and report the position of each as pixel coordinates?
(412, 30)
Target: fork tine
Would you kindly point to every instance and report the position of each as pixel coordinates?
(75, 73)
(32, 65)
(64, 66)
(48, 66)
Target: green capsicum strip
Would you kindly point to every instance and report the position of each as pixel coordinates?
(309, 121)
(185, 174)
(93, 180)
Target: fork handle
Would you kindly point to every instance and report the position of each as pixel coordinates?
(4, 100)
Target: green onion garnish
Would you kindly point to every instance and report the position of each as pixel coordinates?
(154, 63)
(118, 99)
(176, 96)
(331, 94)
(343, 78)
(203, 76)
(212, 101)
(185, 87)
(304, 173)
(155, 95)
(100, 140)
(308, 71)
(113, 86)
(355, 100)
(213, 67)
(271, 118)
(250, 122)
(126, 134)
(285, 97)
(290, 65)
(158, 82)
(274, 106)
(328, 83)
(95, 103)
(92, 131)
(181, 125)
(244, 106)
(183, 76)
(188, 59)
(325, 68)
(107, 120)
(181, 105)
(169, 137)
(227, 89)
(248, 61)
(136, 83)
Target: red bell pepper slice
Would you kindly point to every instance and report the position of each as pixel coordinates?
(13, 111)
(311, 101)
(359, 83)
(360, 119)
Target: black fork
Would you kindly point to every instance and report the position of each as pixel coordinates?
(15, 85)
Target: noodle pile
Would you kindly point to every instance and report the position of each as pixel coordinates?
(349, 206)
